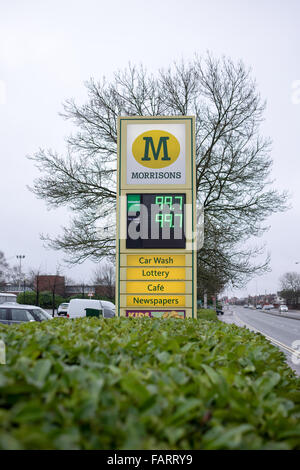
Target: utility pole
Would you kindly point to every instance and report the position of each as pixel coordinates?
(20, 258)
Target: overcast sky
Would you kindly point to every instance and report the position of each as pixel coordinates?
(49, 48)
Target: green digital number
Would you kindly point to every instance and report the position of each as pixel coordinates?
(159, 219)
(170, 201)
(180, 219)
(169, 220)
(164, 220)
(159, 200)
(173, 203)
(180, 199)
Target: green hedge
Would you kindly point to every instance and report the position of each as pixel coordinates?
(207, 314)
(27, 298)
(45, 299)
(145, 384)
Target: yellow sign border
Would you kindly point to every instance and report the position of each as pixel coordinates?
(189, 186)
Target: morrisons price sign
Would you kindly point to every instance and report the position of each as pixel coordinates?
(156, 217)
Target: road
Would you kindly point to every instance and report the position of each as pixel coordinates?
(290, 314)
(281, 331)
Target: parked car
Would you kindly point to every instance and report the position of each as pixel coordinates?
(258, 307)
(63, 309)
(283, 308)
(11, 314)
(245, 306)
(268, 307)
(91, 308)
(219, 311)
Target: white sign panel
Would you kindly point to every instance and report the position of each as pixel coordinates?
(156, 154)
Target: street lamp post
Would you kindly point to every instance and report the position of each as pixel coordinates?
(20, 257)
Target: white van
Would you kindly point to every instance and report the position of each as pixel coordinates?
(85, 308)
(4, 297)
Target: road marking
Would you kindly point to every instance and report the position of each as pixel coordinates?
(273, 340)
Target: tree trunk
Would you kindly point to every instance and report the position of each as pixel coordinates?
(205, 300)
(53, 304)
(215, 301)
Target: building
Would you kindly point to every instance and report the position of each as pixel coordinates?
(80, 290)
(57, 285)
(50, 283)
(15, 289)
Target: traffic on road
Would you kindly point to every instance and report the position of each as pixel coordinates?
(281, 330)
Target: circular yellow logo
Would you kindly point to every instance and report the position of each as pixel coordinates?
(156, 149)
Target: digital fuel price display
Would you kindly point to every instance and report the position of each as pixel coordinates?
(155, 220)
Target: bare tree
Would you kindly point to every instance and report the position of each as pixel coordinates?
(34, 281)
(3, 269)
(104, 277)
(14, 275)
(290, 287)
(222, 261)
(83, 289)
(54, 285)
(290, 281)
(69, 281)
(232, 158)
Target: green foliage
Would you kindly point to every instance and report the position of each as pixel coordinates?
(27, 298)
(207, 314)
(145, 384)
(45, 299)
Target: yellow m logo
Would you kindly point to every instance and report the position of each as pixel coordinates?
(156, 149)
